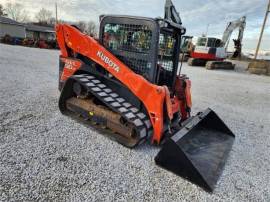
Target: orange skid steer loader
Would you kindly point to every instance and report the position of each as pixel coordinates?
(128, 85)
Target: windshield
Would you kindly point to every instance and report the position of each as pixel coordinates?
(201, 41)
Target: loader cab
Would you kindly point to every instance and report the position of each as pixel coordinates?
(150, 47)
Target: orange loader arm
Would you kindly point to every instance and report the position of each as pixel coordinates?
(152, 96)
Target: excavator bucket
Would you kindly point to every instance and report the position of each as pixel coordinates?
(198, 151)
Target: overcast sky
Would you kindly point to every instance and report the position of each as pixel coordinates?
(195, 14)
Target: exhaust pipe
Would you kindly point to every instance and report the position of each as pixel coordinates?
(198, 151)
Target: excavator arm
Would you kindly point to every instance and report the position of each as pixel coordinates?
(152, 96)
(241, 24)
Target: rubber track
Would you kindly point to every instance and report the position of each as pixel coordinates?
(117, 104)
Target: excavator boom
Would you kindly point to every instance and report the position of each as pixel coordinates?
(241, 24)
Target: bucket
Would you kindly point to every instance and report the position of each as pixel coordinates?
(198, 151)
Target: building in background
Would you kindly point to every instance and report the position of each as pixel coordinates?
(12, 28)
(19, 30)
(31, 35)
(38, 32)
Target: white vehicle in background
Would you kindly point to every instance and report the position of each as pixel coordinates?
(212, 51)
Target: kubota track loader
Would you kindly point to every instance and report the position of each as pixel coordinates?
(128, 85)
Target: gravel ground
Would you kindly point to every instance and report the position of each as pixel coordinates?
(47, 156)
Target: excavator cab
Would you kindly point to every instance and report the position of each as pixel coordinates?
(210, 42)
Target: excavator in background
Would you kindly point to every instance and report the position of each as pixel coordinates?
(186, 48)
(128, 85)
(211, 52)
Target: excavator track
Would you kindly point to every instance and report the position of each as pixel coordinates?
(219, 65)
(106, 110)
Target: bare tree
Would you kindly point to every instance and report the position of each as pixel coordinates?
(16, 12)
(91, 28)
(2, 11)
(81, 25)
(43, 16)
(52, 21)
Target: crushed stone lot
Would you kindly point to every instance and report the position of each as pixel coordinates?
(47, 156)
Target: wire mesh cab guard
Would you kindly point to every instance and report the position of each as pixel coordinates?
(150, 47)
(133, 40)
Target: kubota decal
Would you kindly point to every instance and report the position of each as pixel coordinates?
(108, 61)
